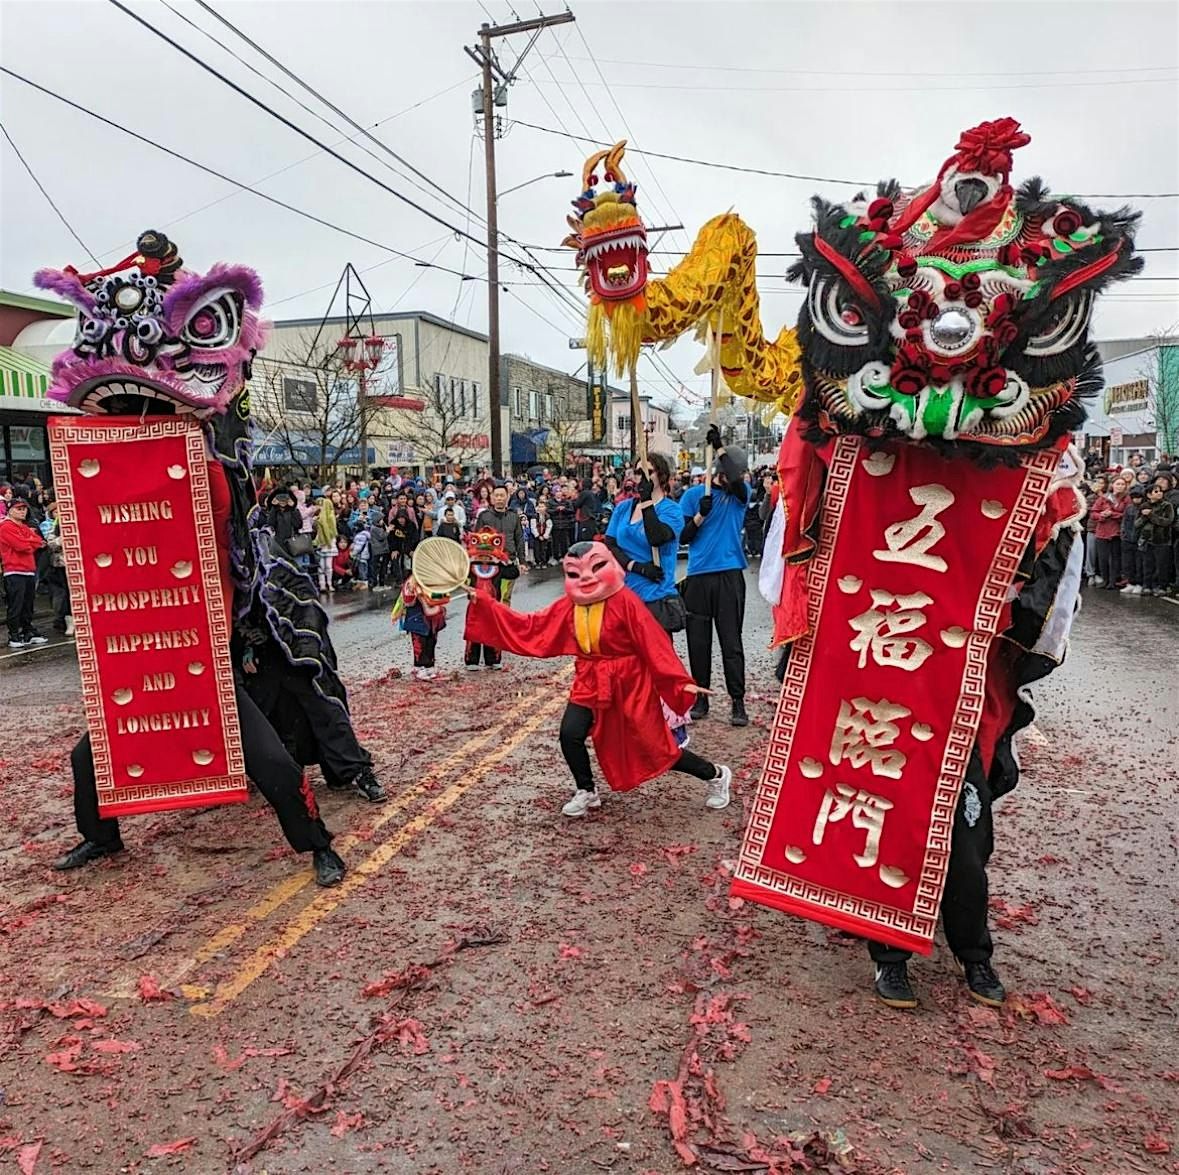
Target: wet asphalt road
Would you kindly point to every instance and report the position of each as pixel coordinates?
(496, 988)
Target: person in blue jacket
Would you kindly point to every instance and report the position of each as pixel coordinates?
(640, 527)
(714, 589)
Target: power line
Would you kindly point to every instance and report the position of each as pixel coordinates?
(225, 178)
(817, 179)
(286, 121)
(860, 73)
(48, 197)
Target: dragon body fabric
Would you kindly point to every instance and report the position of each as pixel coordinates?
(156, 339)
(924, 555)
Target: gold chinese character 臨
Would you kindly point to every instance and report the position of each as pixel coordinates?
(910, 541)
(882, 631)
(867, 812)
(863, 733)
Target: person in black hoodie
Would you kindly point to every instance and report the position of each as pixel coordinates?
(1131, 558)
(1156, 526)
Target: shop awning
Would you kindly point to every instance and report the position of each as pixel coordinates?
(21, 377)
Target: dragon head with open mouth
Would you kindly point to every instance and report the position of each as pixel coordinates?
(958, 313)
(155, 339)
(611, 243)
(487, 552)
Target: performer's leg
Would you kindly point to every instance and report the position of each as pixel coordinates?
(471, 655)
(428, 648)
(100, 838)
(491, 657)
(717, 776)
(280, 780)
(415, 639)
(699, 631)
(729, 620)
(338, 751)
(576, 724)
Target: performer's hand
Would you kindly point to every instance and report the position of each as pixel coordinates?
(713, 438)
(704, 506)
(697, 689)
(647, 571)
(249, 665)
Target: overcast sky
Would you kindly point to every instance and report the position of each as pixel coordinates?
(830, 89)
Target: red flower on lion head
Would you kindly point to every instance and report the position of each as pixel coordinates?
(987, 147)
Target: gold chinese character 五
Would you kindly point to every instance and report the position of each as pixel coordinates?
(864, 734)
(867, 812)
(912, 540)
(883, 631)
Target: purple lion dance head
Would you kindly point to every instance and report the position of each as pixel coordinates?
(154, 338)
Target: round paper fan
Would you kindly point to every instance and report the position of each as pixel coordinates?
(440, 566)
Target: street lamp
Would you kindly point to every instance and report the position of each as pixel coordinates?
(359, 360)
(552, 175)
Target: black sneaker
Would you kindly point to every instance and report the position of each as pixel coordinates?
(700, 708)
(892, 985)
(86, 852)
(739, 717)
(368, 787)
(984, 984)
(329, 867)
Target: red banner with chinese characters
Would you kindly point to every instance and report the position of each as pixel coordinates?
(882, 699)
(151, 623)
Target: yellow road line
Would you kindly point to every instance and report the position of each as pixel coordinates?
(283, 891)
(315, 911)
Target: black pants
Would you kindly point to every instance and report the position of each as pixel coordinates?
(1131, 563)
(1109, 560)
(279, 779)
(424, 648)
(486, 653)
(576, 724)
(1157, 568)
(562, 539)
(20, 591)
(544, 551)
(964, 901)
(716, 598)
(59, 594)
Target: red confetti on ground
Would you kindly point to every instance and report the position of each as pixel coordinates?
(163, 1149)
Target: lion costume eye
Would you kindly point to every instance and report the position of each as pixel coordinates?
(214, 322)
(834, 313)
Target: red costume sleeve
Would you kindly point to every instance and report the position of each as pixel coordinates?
(547, 633)
(653, 646)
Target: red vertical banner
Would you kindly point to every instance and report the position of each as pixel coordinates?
(151, 622)
(881, 702)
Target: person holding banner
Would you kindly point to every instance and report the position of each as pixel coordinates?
(714, 589)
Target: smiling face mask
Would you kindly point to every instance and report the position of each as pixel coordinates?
(591, 573)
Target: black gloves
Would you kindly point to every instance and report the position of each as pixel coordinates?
(646, 489)
(713, 438)
(704, 506)
(648, 571)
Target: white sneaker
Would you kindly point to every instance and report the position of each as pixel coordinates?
(1138, 589)
(581, 803)
(18, 644)
(1128, 590)
(1097, 580)
(38, 639)
(499, 666)
(472, 668)
(718, 789)
(419, 674)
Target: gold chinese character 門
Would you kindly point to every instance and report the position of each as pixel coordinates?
(864, 730)
(867, 812)
(883, 631)
(911, 541)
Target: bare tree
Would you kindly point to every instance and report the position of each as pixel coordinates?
(1161, 372)
(308, 407)
(443, 431)
(564, 437)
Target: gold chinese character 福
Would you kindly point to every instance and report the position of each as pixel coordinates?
(883, 631)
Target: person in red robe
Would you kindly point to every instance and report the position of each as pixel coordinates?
(625, 666)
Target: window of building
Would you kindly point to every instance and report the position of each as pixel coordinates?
(439, 392)
(455, 396)
(533, 404)
(475, 399)
(548, 409)
(519, 394)
(299, 394)
(624, 424)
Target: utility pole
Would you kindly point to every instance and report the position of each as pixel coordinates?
(484, 56)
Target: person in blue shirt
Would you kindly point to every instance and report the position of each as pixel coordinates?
(714, 589)
(643, 525)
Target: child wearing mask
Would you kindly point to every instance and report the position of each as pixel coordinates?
(1156, 526)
